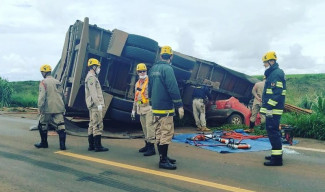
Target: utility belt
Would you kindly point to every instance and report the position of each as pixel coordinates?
(197, 98)
(142, 104)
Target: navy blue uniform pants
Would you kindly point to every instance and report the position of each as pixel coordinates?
(273, 131)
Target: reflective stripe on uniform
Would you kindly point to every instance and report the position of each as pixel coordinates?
(284, 92)
(274, 111)
(269, 91)
(277, 111)
(272, 102)
(163, 111)
(276, 152)
(279, 84)
(263, 110)
(143, 88)
(177, 101)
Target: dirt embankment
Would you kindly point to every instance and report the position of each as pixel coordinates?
(30, 113)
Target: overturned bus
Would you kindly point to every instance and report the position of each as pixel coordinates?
(119, 53)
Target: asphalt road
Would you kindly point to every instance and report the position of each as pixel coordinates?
(25, 168)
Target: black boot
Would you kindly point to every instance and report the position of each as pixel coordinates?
(62, 137)
(150, 150)
(172, 161)
(43, 143)
(91, 142)
(251, 125)
(98, 144)
(276, 160)
(144, 149)
(164, 163)
(268, 157)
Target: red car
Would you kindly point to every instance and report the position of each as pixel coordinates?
(230, 111)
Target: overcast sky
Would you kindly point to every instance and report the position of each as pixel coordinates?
(232, 33)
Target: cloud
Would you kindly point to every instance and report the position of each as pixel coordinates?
(231, 33)
(18, 68)
(296, 61)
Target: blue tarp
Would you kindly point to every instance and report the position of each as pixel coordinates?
(260, 144)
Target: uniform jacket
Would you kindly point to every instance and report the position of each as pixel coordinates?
(163, 90)
(257, 91)
(93, 91)
(138, 105)
(274, 90)
(201, 92)
(50, 97)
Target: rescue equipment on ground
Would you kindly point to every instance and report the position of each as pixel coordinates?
(287, 133)
(220, 137)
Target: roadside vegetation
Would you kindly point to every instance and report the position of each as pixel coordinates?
(25, 94)
(18, 94)
(6, 90)
(305, 91)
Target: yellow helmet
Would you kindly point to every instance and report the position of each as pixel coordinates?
(46, 68)
(93, 61)
(141, 67)
(166, 50)
(269, 55)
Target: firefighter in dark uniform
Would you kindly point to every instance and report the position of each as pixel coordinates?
(200, 94)
(164, 97)
(273, 100)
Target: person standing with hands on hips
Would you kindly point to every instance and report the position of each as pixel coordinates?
(95, 105)
(164, 96)
(273, 100)
(141, 106)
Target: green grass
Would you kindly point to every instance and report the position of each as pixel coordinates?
(303, 85)
(5, 93)
(25, 94)
(306, 125)
(24, 100)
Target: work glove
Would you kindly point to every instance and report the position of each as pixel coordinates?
(269, 114)
(100, 108)
(133, 115)
(181, 112)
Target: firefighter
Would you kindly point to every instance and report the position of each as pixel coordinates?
(164, 96)
(141, 106)
(200, 94)
(50, 107)
(257, 92)
(273, 100)
(95, 105)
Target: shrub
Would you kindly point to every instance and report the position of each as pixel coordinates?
(25, 94)
(5, 93)
(306, 125)
(319, 105)
(24, 100)
(306, 102)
